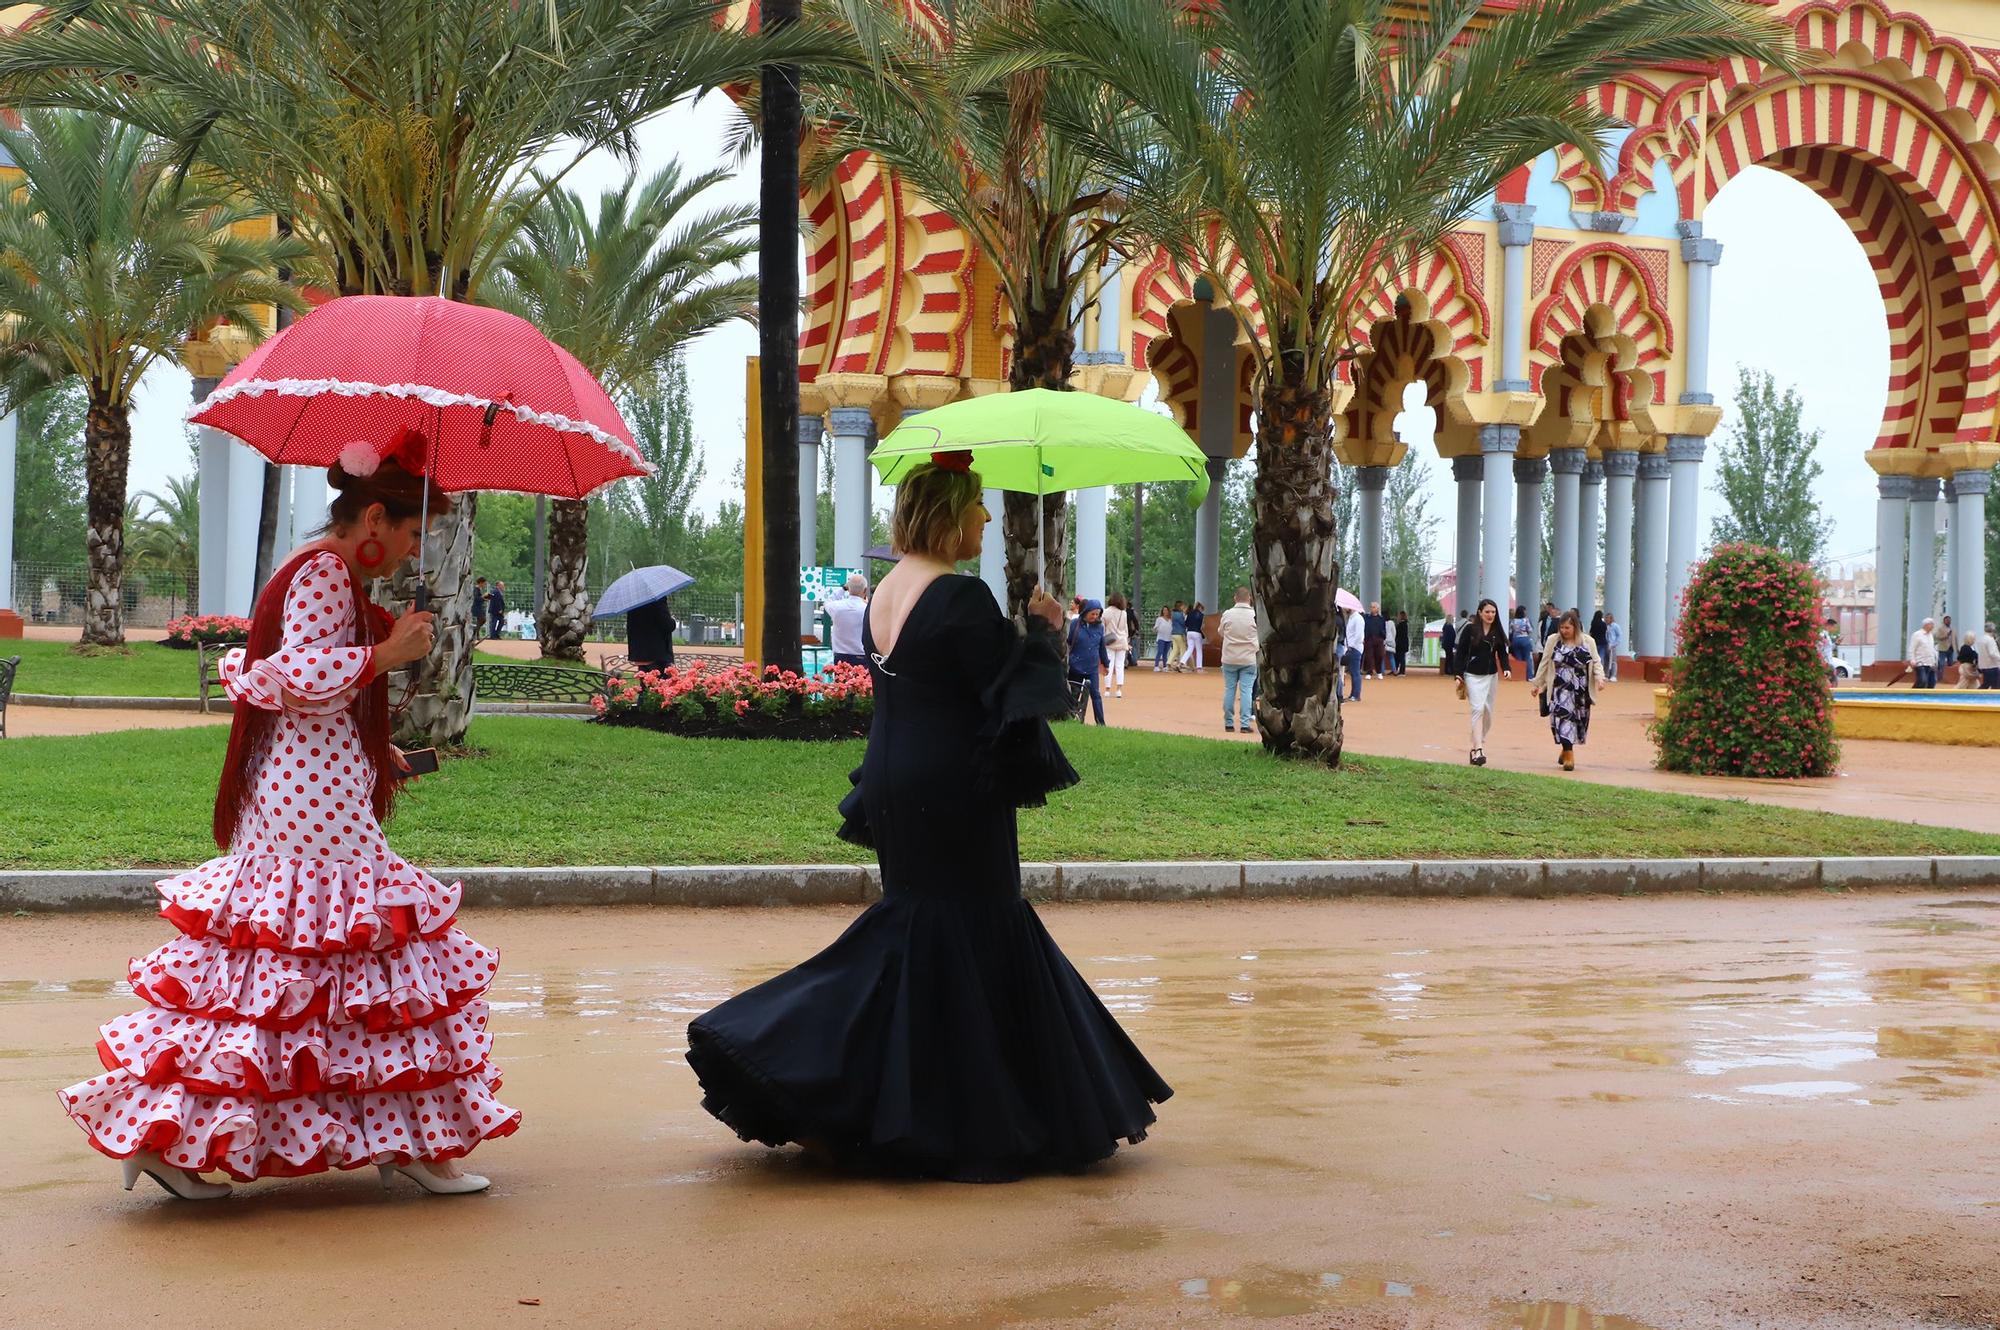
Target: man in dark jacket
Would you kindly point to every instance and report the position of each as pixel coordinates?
(1374, 641)
(496, 607)
(478, 621)
(649, 635)
(1088, 658)
(1447, 642)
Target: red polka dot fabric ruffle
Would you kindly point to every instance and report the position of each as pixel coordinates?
(320, 1008)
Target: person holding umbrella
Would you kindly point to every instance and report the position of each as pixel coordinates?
(943, 1034)
(319, 1007)
(649, 634)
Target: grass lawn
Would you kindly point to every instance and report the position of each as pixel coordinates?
(142, 669)
(563, 792)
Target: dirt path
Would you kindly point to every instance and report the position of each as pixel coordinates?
(1690, 1113)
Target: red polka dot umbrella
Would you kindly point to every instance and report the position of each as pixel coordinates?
(500, 406)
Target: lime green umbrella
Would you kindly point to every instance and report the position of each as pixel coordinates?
(1038, 441)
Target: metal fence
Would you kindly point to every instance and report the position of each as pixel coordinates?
(55, 593)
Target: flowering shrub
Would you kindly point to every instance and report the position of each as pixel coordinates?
(740, 701)
(191, 630)
(1748, 696)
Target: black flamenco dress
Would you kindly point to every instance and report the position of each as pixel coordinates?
(944, 1034)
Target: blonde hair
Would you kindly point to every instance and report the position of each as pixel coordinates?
(930, 509)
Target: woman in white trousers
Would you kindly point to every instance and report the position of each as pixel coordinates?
(1482, 658)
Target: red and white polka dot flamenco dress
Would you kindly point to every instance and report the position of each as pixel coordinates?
(320, 1009)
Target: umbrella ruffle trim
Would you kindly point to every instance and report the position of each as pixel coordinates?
(430, 397)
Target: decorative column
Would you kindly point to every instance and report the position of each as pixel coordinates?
(1922, 594)
(1369, 482)
(1684, 454)
(1215, 417)
(1646, 627)
(1497, 443)
(811, 430)
(1969, 593)
(212, 544)
(1208, 536)
(1892, 516)
(1516, 232)
(1467, 472)
(1619, 469)
(310, 500)
(850, 427)
(1589, 510)
(993, 548)
(1568, 464)
(1700, 255)
(1529, 473)
(10, 620)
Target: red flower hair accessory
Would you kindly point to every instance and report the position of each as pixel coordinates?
(961, 462)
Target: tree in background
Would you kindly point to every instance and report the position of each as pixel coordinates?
(622, 289)
(1409, 544)
(168, 539)
(1768, 463)
(109, 263)
(1170, 507)
(48, 476)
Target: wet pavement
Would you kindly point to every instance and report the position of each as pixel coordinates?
(1511, 1115)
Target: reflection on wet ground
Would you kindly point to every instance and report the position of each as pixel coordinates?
(1443, 1114)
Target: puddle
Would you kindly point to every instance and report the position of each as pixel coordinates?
(1560, 1316)
(1916, 923)
(1272, 1293)
(1801, 1089)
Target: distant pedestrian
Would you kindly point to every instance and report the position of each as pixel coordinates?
(1402, 640)
(1829, 655)
(1447, 647)
(1117, 641)
(844, 615)
(1374, 641)
(1924, 655)
(1196, 619)
(480, 603)
(1354, 637)
(1163, 638)
(1601, 641)
(1088, 657)
(1482, 658)
(1520, 637)
(1614, 639)
(496, 608)
(649, 635)
(1968, 662)
(1947, 643)
(1567, 681)
(1989, 658)
(1545, 627)
(1239, 663)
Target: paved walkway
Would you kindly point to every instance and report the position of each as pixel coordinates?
(1703, 1112)
(1418, 716)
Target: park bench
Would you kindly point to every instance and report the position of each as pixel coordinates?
(8, 668)
(534, 683)
(208, 660)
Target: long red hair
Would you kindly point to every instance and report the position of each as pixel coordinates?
(250, 731)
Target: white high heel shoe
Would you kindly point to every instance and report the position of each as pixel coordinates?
(177, 1181)
(462, 1185)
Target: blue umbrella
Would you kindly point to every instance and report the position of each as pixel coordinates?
(641, 586)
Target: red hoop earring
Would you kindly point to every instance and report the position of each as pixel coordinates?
(365, 558)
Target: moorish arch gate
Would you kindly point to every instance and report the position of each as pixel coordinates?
(1564, 329)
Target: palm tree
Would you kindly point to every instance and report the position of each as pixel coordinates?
(622, 292)
(1311, 146)
(394, 134)
(994, 155)
(170, 538)
(109, 265)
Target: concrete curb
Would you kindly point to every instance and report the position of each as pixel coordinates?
(858, 884)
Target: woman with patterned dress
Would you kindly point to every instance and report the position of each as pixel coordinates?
(319, 1007)
(943, 1034)
(1568, 679)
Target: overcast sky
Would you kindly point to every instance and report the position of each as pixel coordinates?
(1793, 294)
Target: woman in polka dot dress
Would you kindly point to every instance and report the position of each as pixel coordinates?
(319, 1009)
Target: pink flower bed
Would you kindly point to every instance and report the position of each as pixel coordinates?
(741, 701)
(191, 630)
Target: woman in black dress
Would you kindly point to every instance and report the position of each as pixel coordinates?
(943, 1034)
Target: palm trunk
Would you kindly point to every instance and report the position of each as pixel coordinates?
(564, 617)
(1044, 347)
(107, 446)
(440, 706)
(1297, 570)
(778, 346)
(268, 503)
